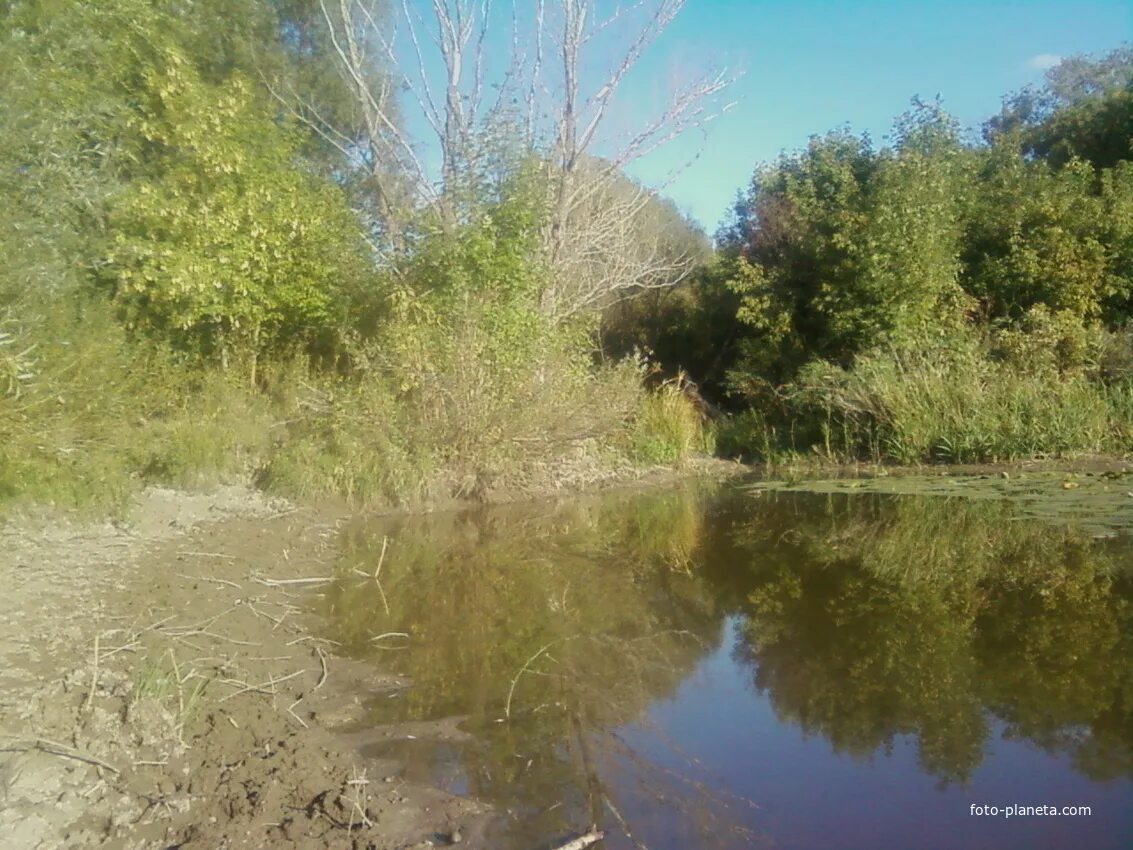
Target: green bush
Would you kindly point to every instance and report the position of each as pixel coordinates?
(435, 415)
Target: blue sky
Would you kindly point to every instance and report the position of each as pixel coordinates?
(813, 66)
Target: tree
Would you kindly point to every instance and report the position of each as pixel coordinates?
(225, 244)
(592, 224)
(1083, 110)
(912, 242)
(1037, 236)
(795, 249)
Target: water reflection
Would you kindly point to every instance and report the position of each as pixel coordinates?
(924, 617)
(566, 624)
(563, 635)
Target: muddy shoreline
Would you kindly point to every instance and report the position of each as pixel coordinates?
(163, 685)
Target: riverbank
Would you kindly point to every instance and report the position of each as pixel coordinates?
(164, 684)
(163, 687)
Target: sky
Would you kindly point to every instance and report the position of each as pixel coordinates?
(814, 65)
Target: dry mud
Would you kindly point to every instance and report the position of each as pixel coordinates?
(159, 687)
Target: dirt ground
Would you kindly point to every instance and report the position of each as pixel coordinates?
(160, 687)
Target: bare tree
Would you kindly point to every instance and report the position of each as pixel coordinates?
(561, 77)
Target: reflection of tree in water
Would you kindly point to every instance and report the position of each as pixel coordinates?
(875, 618)
(866, 619)
(575, 619)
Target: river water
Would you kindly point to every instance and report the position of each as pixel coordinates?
(718, 667)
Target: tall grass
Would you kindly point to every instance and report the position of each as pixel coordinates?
(434, 415)
(669, 428)
(92, 417)
(959, 403)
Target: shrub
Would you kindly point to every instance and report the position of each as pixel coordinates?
(669, 428)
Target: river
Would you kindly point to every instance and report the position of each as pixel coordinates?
(717, 666)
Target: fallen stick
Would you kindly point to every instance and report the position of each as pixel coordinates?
(323, 661)
(291, 711)
(54, 748)
(283, 582)
(223, 581)
(178, 634)
(260, 689)
(584, 841)
(94, 676)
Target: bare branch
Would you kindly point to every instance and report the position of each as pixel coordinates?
(597, 243)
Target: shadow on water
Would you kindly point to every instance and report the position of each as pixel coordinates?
(689, 665)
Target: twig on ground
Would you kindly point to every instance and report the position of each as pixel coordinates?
(323, 661)
(302, 638)
(94, 676)
(284, 582)
(223, 581)
(358, 783)
(54, 748)
(291, 711)
(584, 841)
(385, 635)
(270, 683)
(213, 635)
(132, 646)
(274, 620)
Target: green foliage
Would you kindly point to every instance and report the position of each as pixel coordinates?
(838, 248)
(804, 218)
(912, 242)
(1038, 236)
(350, 441)
(186, 296)
(691, 328)
(923, 616)
(101, 416)
(748, 435)
(1084, 110)
(466, 387)
(1018, 394)
(930, 300)
(955, 404)
(225, 244)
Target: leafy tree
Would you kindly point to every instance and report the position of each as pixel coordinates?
(224, 243)
(1084, 110)
(912, 242)
(796, 256)
(1037, 236)
(63, 90)
(837, 248)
